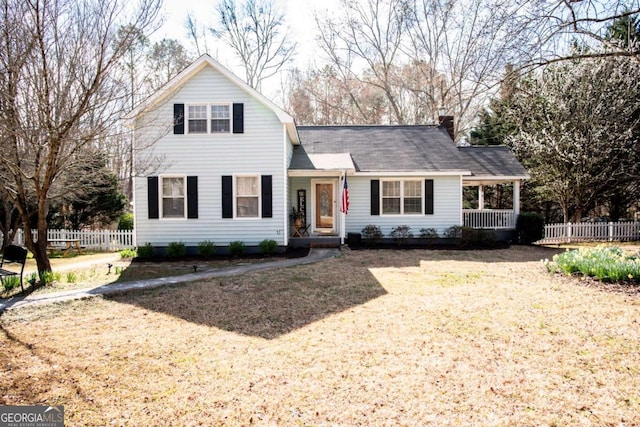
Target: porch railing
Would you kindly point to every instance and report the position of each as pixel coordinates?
(489, 218)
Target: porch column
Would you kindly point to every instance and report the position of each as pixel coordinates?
(516, 197)
(481, 197)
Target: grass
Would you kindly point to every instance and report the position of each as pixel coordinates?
(369, 338)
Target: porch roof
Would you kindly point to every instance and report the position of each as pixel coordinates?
(381, 148)
(494, 162)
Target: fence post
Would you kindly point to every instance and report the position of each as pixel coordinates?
(568, 232)
(611, 231)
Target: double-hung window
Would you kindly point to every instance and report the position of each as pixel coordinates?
(247, 196)
(402, 197)
(173, 197)
(208, 118)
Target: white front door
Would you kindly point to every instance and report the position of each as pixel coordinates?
(324, 206)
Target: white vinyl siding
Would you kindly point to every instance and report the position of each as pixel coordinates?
(257, 152)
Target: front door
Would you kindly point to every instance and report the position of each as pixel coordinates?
(324, 206)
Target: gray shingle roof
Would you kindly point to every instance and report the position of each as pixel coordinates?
(381, 148)
(494, 160)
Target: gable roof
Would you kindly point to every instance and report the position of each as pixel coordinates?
(415, 148)
(203, 61)
(493, 161)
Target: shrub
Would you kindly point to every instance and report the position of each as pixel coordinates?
(371, 232)
(176, 250)
(429, 233)
(206, 248)
(128, 253)
(72, 277)
(453, 232)
(48, 277)
(11, 282)
(603, 263)
(401, 232)
(477, 238)
(125, 222)
(146, 251)
(529, 227)
(236, 247)
(268, 246)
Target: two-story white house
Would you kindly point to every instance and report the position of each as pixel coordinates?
(222, 163)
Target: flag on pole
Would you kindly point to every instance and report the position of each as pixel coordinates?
(344, 205)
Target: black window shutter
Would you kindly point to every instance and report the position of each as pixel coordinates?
(152, 197)
(375, 197)
(178, 119)
(267, 210)
(227, 196)
(428, 197)
(192, 197)
(238, 118)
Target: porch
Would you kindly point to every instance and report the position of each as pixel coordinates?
(496, 219)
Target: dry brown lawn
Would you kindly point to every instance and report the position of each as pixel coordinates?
(482, 338)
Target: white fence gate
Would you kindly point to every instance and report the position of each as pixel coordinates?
(99, 240)
(591, 232)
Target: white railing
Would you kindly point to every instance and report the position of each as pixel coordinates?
(100, 240)
(591, 232)
(489, 218)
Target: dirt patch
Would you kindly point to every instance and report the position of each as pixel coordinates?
(369, 338)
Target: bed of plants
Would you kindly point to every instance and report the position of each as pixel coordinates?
(606, 263)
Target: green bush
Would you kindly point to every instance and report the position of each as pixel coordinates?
(453, 232)
(529, 227)
(206, 249)
(237, 247)
(125, 222)
(48, 277)
(477, 238)
(371, 232)
(268, 246)
(603, 263)
(401, 232)
(429, 233)
(10, 282)
(128, 253)
(176, 250)
(72, 277)
(146, 251)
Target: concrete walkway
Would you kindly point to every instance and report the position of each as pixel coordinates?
(315, 255)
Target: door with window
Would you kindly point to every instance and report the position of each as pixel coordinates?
(324, 206)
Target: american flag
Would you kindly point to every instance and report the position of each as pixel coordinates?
(344, 205)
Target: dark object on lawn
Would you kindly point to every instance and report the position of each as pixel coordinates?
(13, 254)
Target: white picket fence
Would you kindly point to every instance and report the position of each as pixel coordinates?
(591, 232)
(99, 240)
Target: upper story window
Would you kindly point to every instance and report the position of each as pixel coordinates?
(402, 197)
(209, 118)
(173, 197)
(247, 196)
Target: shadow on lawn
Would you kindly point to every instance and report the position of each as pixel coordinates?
(265, 305)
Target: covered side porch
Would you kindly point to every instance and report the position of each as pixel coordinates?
(491, 194)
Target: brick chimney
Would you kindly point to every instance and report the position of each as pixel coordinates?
(447, 123)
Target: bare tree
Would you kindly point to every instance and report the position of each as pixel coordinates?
(256, 32)
(60, 96)
(196, 33)
(368, 36)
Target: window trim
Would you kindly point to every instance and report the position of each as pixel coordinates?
(258, 179)
(208, 106)
(402, 197)
(161, 197)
